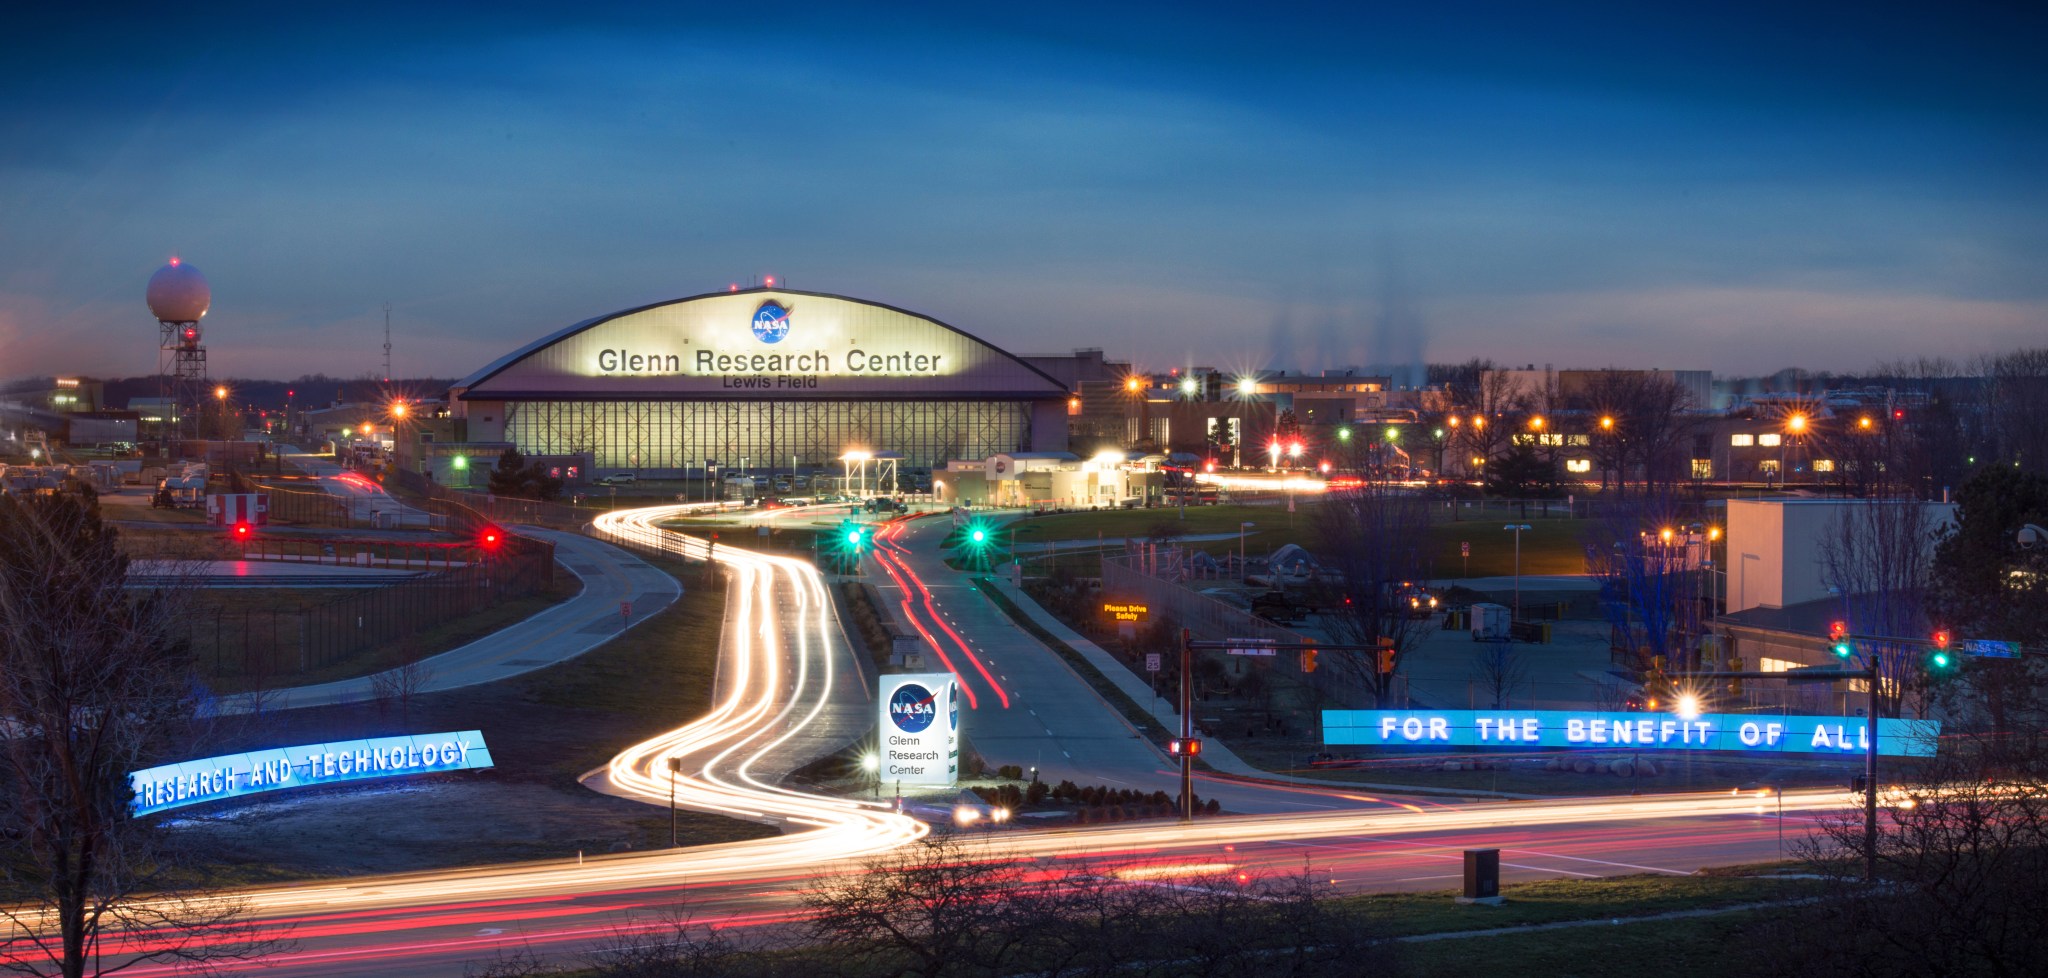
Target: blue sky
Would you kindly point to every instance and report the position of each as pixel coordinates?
(1728, 187)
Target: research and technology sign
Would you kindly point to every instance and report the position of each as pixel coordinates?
(237, 775)
(920, 729)
(1745, 732)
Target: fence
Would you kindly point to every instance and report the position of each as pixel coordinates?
(499, 509)
(1208, 618)
(261, 647)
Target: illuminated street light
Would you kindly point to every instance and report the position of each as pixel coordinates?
(1247, 386)
(1796, 423)
(1133, 384)
(1688, 706)
(1606, 422)
(1479, 421)
(1188, 387)
(398, 409)
(220, 393)
(1864, 422)
(1536, 423)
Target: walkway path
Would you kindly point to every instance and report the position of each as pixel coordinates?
(619, 591)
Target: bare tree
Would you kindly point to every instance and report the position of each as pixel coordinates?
(1962, 858)
(93, 686)
(927, 910)
(1501, 670)
(1651, 426)
(1371, 541)
(1877, 557)
(398, 686)
(1651, 602)
(2019, 400)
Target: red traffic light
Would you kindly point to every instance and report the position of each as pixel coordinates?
(1838, 630)
(490, 537)
(1941, 638)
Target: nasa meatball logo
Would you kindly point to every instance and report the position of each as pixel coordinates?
(910, 707)
(953, 705)
(771, 322)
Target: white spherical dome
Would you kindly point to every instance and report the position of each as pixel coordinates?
(178, 293)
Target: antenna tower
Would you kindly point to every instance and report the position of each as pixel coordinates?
(387, 342)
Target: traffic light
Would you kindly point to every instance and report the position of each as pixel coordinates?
(1384, 657)
(853, 541)
(490, 538)
(1308, 660)
(1735, 682)
(1939, 660)
(1838, 637)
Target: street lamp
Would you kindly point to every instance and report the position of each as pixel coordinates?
(873, 766)
(1241, 527)
(1517, 528)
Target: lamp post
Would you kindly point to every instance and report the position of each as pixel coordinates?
(1518, 528)
(675, 767)
(1241, 527)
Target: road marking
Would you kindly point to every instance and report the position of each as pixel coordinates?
(1602, 862)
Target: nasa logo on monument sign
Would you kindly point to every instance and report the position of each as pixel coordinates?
(953, 704)
(771, 322)
(911, 708)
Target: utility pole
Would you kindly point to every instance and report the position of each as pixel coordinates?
(675, 767)
(1187, 730)
(387, 342)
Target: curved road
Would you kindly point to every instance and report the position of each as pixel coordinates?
(781, 654)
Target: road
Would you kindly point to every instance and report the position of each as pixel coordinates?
(781, 670)
(433, 924)
(1029, 708)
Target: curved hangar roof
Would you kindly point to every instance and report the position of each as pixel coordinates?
(768, 343)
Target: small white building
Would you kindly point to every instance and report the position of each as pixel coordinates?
(1774, 547)
(1053, 479)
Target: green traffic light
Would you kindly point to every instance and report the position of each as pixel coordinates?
(1343, 434)
(1941, 660)
(979, 536)
(853, 538)
(1842, 650)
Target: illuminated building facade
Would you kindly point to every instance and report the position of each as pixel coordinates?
(761, 380)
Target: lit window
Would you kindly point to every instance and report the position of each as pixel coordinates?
(1741, 441)
(1768, 664)
(1823, 465)
(1771, 440)
(1578, 465)
(1702, 468)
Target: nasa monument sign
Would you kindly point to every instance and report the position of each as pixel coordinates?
(919, 729)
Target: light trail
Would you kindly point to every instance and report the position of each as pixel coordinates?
(780, 612)
(889, 553)
(774, 683)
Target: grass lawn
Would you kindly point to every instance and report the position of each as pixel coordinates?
(218, 618)
(545, 729)
(1550, 901)
(1548, 546)
(1675, 948)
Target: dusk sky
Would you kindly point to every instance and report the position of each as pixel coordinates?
(1730, 188)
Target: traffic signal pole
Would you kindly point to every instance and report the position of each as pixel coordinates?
(1869, 675)
(1187, 730)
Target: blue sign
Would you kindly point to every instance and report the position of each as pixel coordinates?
(911, 708)
(1747, 732)
(236, 775)
(771, 322)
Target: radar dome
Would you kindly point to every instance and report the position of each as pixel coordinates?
(178, 293)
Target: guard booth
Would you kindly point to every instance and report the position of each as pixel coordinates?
(238, 508)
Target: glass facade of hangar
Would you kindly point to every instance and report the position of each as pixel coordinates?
(665, 438)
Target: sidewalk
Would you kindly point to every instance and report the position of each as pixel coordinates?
(611, 577)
